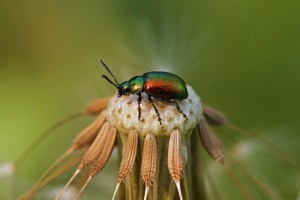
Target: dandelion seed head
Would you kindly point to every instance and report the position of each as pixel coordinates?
(124, 115)
(244, 149)
(6, 169)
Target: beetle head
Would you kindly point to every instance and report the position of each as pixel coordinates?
(124, 89)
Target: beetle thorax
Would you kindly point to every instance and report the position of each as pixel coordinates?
(136, 84)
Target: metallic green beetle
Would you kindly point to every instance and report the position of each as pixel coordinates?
(164, 85)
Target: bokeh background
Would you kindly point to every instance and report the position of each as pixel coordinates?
(242, 57)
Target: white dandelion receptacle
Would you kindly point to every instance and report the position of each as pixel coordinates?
(123, 113)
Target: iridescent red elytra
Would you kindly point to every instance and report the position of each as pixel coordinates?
(164, 85)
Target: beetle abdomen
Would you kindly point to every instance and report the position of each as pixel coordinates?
(165, 84)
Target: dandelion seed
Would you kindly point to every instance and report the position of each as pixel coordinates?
(128, 157)
(175, 160)
(6, 169)
(96, 106)
(214, 116)
(105, 152)
(87, 136)
(105, 149)
(179, 190)
(149, 162)
(210, 141)
(90, 156)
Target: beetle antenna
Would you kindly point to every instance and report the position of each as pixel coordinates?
(117, 86)
(106, 67)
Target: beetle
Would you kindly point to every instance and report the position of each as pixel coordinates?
(159, 84)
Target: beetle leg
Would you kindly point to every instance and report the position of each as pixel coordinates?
(177, 106)
(139, 104)
(156, 110)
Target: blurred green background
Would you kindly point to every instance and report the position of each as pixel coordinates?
(242, 57)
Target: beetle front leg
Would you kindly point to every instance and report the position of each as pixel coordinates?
(139, 104)
(156, 110)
